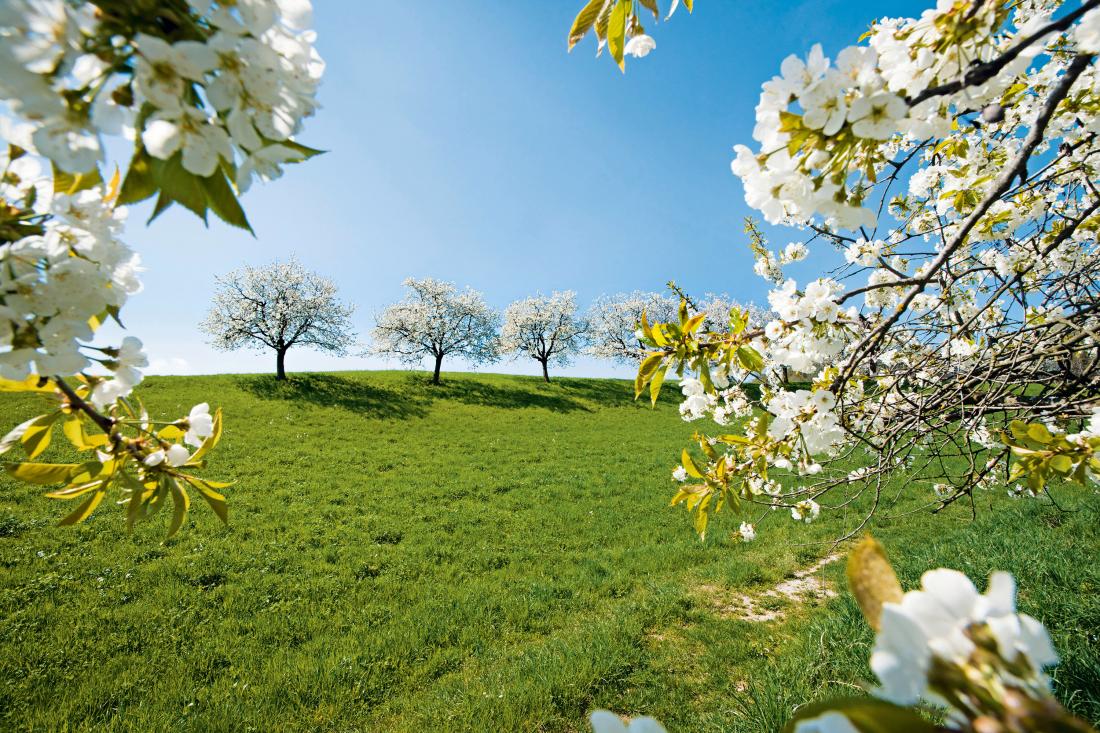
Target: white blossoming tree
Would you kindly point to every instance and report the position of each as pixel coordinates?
(278, 307)
(211, 95)
(436, 320)
(613, 330)
(544, 328)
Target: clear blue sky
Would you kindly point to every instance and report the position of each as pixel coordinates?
(465, 144)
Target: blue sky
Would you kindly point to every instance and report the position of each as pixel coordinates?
(466, 145)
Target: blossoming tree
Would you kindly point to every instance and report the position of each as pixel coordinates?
(613, 320)
(544, 328)
(211, 95)
(436, 320)
(278, 307)
(950, 165)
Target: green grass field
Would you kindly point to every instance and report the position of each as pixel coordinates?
(495, 554)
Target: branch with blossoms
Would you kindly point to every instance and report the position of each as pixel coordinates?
(971, 657)
(617, 25)
(968, 355)
(211, 95)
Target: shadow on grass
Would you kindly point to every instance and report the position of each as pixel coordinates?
(499, 393)
(413, 395)
(330, 390)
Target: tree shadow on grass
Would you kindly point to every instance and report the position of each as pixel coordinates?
(473, 391)
(331, 390)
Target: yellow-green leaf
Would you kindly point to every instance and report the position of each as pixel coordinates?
(15, 435)
(872, 579)
(42, 473)
(84, 509)
(181, 502)
(36, 436)
(689, 464)
(616, 31)
(33, 383)
(212, 441)
(585, 20)
(655, 385)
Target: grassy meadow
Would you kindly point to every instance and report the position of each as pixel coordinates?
(495, 554)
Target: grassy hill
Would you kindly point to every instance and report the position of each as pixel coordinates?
(492, 554)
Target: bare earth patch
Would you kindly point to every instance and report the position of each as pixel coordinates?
(806, 583)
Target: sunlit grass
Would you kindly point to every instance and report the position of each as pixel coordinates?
(493, 554)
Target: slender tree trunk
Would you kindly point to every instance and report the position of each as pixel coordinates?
(545, 372)
(280, 364)
(438, 364)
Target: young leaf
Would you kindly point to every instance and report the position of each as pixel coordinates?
(585, 20)
(872, 579)
(42, 473)
(84, 509)
(36, 436)
(15, 435)
(616, 32)
(212, 440)
(70, 183)
(181, 502)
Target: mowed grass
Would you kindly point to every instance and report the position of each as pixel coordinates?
(494, 554)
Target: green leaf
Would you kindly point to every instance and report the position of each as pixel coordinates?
(70, 183)
(306, 151)
(224, 202)
(866, 715)
(181, 502)
(616, 32)
(1061, 463)
(1039, 433)
(651, 6)
(181, 186)
(213, 498)
(749, 358)
(584, 21)
(42, 473)
(140, 182)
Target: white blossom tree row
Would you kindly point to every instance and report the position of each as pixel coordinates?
(437, 320)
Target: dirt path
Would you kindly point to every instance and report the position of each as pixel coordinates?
(806, 583)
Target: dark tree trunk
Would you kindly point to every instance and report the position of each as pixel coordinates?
(545, 372)
(280, 364)
(438, 364)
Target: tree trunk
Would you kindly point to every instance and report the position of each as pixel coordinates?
(280, 364)
(545, 372)
(438, 364)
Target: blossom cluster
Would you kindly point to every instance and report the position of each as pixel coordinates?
(227, 85)
(68, 273)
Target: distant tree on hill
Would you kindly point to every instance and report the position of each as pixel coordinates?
(613, 323)
(436, 320)
(278, 307)
(545, 328)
